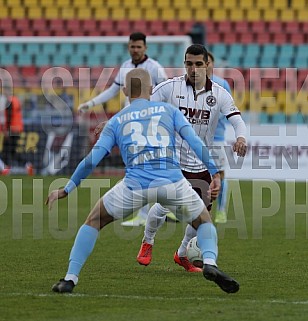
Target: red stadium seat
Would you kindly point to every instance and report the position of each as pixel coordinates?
(241, 27)
(173, 27)
(258, 26)
(263, 38)
(229, 37)
(213, 37)
(157, 27)
(73, 25)
(57, 24)
(291, 27)
(280, 38)
(123, 27)
(225, 26)
(106, 27)
(275, 26)
(43, 33)
(297, 38)
(246, 37)
(141, 25)
(6, 24)
(26, 33)
(22, 24)
(187, 25)
(89, 25)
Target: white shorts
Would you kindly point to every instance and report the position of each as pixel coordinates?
(219, 154)
(178, 197)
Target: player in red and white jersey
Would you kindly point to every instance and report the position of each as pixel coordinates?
(201, 101)
(137, 49)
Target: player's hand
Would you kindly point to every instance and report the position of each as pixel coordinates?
(83, 108)
(55, 195)
(98, 129)
(215, 185)
(240, 147)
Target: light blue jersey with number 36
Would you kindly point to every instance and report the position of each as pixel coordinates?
(145, 133)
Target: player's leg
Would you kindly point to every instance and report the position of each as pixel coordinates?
(139, 219)
(156, 218)
(200, 183)
(221, 215)
(110, 207)
(196, 213)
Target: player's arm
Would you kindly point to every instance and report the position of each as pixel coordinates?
(102, 147)
(233, 115)
(101, 98)
(240, 146)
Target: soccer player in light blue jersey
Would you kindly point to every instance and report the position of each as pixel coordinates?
(145, 133)
(219, 146)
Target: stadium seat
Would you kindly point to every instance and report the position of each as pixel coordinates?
(279, 38)
(297, 39)
(151, 14)
(18, 12)
(185, 14)
(33, 48)
(34, 12)
(220, 14)
(73, 25)
(275, 27)
(263, 38)
(291, 27)
(180, 4)
(253, 14)
(202, 14)
(258, 26)
(219, 50)
(246, 38)
(230, 37)
(263, 4)
(302, 15)
(287, 15)
(135, 14)
(24, 60)
(299, 4)
(246, 4)
(237, 14)
(173, 27)
(249, 61)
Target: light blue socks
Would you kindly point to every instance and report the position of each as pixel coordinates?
(207, 242)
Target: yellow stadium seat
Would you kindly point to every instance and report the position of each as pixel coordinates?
(35, 13)
(13, 3)
(84, 12)
(114, 4)
(96, 3)
(80, 3)
(299, 4)
(101, 13)
(237, 14)
(281, 4)
(219, 14)
(168, 14)
(245, 4)
(151, 14)
(163, 4)
(51, 13)
(180, 4)
(147, 4)
(229, 4)
(210, 4)
(68, 12)
(135, 14)
(196, 4)
(270, 15)
(18, 12)
(118, 13)
(202, 14)
(31, 3)
(288, 15)
(253, 15)
(185, 14)
(263, 4)
(130, 4)
(4, 12)
(62, 3)
(302, 15)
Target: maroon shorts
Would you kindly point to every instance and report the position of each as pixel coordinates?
(200, 182)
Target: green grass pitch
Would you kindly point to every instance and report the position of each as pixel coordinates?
(263, 246)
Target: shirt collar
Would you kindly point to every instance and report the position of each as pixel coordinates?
(142, 61)
(207, 86)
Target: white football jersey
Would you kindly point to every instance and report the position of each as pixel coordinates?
(154, 68)
(202, 109)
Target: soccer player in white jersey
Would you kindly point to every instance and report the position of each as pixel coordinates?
(137, 49)
(145, 133)
(201, 101)
(219, 147)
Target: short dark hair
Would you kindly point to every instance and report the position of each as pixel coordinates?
(197, 49)
(138, 36)
(211, 56)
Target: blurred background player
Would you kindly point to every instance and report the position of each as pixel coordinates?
(219, 147)
(11, 126)
(137, 47)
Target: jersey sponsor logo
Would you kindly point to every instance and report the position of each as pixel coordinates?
(180, 96)
(211, 100)
(196, 116)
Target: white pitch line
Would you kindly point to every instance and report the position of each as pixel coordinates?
(137, 297)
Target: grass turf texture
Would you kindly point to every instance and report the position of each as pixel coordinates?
(268, 260)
